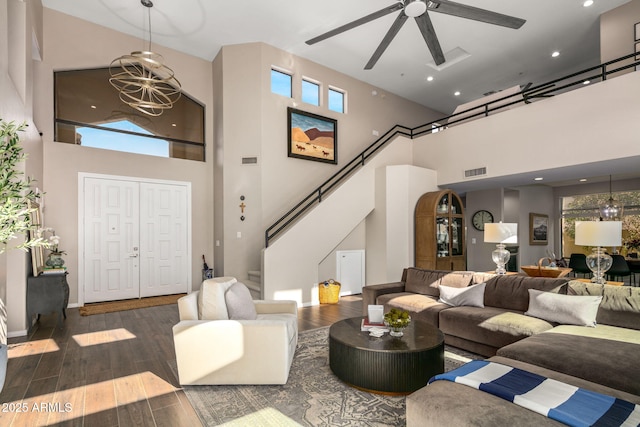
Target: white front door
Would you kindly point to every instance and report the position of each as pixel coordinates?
(136, 239)
(164, 260)
(111, 245)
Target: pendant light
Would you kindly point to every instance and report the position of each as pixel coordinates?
(143, 81)
(611, 211)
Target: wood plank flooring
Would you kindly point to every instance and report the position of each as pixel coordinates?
(111, 369)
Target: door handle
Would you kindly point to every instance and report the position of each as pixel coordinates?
(133, 255)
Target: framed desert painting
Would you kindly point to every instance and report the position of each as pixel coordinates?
(538, 229)
(312, 137)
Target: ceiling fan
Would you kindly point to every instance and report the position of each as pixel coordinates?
(419, 10)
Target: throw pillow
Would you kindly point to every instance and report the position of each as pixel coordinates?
(564, 309)
(211, 305)
(470, 296)
(239, 303)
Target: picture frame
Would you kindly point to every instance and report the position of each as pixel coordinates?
(636, 31)
(538, 229)
(311, 136)
(37, 252)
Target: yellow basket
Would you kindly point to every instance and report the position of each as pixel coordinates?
(329, 293)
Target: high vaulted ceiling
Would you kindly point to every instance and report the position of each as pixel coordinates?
(498, 57)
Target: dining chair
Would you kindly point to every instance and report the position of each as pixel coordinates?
(620, 269)
(578, 263)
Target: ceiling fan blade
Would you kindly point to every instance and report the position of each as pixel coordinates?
(429, 35)
(474, 13)
(395, 27)
(356, 23)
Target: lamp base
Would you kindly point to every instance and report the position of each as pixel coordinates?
(500, 256)
(599, 263)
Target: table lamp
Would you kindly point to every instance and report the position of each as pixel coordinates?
(599, 234)
(501, 233)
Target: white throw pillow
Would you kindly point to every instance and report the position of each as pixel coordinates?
(240, 305)
(564, 309)
(211, 303)
(470, 296)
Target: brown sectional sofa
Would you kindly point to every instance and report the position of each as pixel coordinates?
(603, 358)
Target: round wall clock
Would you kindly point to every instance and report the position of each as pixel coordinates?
(479, 219)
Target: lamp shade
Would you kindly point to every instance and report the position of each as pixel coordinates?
(501, 232)
(599, 233)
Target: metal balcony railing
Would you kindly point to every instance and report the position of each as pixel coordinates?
(527, 95)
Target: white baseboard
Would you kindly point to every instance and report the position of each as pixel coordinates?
(13, 334)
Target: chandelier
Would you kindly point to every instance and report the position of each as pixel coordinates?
(611, 211)
(143, 81)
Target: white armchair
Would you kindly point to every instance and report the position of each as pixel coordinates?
(213, 348)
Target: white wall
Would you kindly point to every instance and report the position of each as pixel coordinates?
(390, 227)
(255, 124)
(68, 47)
(291, 263)
(590, 125)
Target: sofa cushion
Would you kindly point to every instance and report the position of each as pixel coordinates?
(602, 354)
(620, 305)
(471, 295)
(491, 326)
(564, 309)
(239, 302)
(211, 303)
(426, 282)
(421, 307)
(511, 292)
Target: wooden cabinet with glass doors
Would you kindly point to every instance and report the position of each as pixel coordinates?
(439, 232)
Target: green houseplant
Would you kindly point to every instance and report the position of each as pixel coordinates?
(15, 209)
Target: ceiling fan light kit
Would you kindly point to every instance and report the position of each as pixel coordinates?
(419, 10)
(143, 81)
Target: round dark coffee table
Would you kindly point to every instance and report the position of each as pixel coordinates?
(386, 364)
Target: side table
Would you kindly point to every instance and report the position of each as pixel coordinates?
(47, 293)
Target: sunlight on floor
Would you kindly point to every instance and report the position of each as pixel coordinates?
(30, 348)
(263, 417)
(74, 403)
(103, 337)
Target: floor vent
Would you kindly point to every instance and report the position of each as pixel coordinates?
(471, 173)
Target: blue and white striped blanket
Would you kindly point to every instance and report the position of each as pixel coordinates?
(562, 402)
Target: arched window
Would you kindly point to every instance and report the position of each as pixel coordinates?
(89, 112)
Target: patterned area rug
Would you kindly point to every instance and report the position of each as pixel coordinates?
(313, 396)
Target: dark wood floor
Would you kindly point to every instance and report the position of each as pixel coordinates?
(111, 369)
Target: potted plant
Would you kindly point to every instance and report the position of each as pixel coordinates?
(15, 210)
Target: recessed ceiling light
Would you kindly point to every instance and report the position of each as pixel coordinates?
(587, 3)
(174, 125)
(555, 54)
(583, 180)
(94, 107)
(430, 78)
(538, 178)
(586, 82)
(457, 93)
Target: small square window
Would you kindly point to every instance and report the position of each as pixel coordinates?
(336, 100)
(281, 83)
(310, 92)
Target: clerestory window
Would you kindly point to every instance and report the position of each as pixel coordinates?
(89, 112)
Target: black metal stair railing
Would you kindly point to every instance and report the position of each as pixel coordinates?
(526, 95)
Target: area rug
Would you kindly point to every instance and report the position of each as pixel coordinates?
(313, 396)
(129, 304)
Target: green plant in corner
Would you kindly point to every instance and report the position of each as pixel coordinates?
(15, 209)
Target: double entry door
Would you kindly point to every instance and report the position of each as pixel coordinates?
(136, 241)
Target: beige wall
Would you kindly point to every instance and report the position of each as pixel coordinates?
(71, 44)
(255, 124)
(16, 104)
(617, 32)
